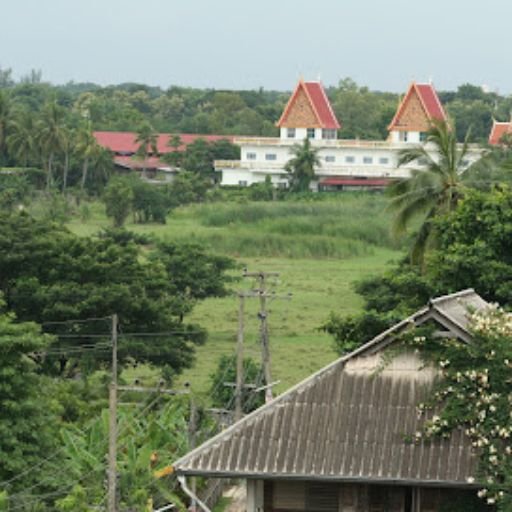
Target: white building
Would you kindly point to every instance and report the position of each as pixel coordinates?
(344, 163)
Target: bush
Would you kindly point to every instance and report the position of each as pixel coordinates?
(118, 199)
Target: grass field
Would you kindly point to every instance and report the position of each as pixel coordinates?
(319, 248)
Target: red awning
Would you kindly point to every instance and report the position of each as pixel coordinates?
(354, 182)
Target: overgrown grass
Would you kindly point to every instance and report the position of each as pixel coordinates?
(319, 247)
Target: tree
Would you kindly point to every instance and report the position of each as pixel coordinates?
(175, 156)
(147, 140)
(118, 199)
(50, 135)
(301, 167)
(5, 119)
(27, 418)
(21, 140)
(224, 396)
(50, 275)
(432, 190)
(86, 148)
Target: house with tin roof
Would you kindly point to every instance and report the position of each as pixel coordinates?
(345, 164)
(340, 441)
(124, 147)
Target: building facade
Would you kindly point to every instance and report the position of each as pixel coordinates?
(344, 163)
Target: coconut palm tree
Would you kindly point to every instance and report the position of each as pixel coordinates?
(21, 140)
(147, 140)
(86, 147)
(50, 134)
(433, 189)
(5, 119)
(301, 167)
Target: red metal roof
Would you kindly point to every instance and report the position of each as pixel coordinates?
(429, 99)
(124, 142)
(319, 103)
(498, 131)
(354, 182)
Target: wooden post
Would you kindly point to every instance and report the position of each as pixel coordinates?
(112, 424)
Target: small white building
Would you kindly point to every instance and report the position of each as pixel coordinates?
(344, 163)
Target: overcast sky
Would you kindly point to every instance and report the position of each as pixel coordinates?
(240, 44)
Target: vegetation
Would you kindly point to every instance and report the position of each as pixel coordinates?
(431, 190)
(475, 393)
(301, 167)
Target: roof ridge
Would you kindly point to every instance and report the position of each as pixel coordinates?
(461, 293)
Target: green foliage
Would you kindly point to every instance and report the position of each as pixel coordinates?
(118, 198)
(262, 191)
(430, 191)
(475, 396)
(224, 396)
(187, 188)
(48, 274)
(150, 203)
(27, 414)
(475, 247)
(301, 167)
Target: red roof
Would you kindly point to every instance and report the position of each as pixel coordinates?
(124, 142)
(429, 100)
(354, 182)
(319, 102)
(498, 131)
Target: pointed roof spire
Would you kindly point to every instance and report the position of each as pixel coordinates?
(308, 107)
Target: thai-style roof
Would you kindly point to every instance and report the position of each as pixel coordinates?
(124, 143)
(431, 109)
(498, 130)
(315, 111)
(345, 423)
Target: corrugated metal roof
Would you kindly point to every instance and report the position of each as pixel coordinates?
(346, 425)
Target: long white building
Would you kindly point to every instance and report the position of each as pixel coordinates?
(344, 163)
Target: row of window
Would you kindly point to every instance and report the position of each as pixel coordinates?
(367, 160)
(310, 133)
(404, 136)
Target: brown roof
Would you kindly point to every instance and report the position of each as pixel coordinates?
(498, 131)
(347, 425)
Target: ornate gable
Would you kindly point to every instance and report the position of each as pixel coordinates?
(412, 116)
(299, 112)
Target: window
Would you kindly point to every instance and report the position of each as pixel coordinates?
(367, 160)
(242, 183)
(328, 134)
(251, 156)
(423, 136)
(383, 160)
(311, 133)
(290, 133)
(270, 156)
(404, 136)
(350, 159)
(330, 158)
(282, 184)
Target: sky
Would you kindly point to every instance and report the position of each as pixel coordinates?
(241, 44)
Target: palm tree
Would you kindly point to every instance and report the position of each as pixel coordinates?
(50, 135)
(86, 146)
(147, 139)
(21, 139)
(432, 190)
(5, 118)
(68, 142)
(301, 167)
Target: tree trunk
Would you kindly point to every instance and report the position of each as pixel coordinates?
(84, 173)
(65, 177)
(50, 171)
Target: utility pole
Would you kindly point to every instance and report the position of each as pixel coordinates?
(192, 429)
(240, 359)
(261, 292)
(112, 424)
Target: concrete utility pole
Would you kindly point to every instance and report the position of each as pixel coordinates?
(262, 293)
(240, 359)
(112, 424)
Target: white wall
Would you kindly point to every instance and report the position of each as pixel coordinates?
(255, 496)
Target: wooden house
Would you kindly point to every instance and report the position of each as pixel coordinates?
(340, 441)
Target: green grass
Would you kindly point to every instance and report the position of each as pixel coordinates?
(319, 248)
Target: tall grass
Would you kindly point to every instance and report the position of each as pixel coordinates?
(346, 226)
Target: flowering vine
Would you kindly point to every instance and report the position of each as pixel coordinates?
(475, 394)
